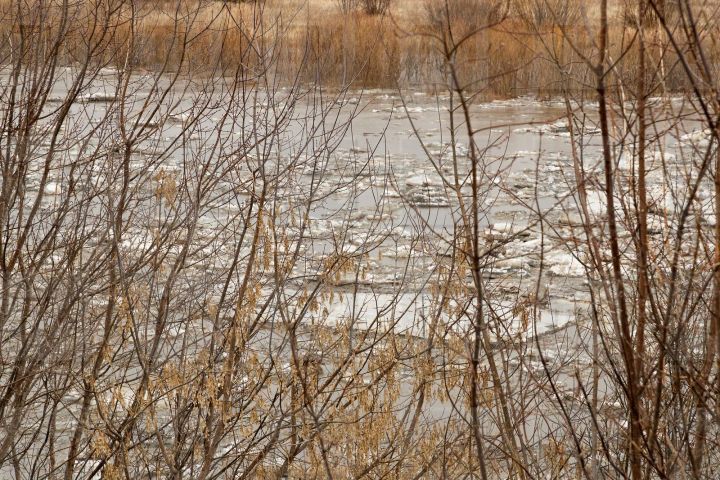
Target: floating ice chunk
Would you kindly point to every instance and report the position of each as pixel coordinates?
(52, 188)
(391, 194)
(700, 138)
(149, 123)
(428, 197)
(72, 395)
(596, 203)
(179, 117)
(347, 101)
(558, 128)
(402, 251)
(524, 247)
(415, 109)
(505, 227)
(421, 180)
(109, 71)
(516, 262)
(461, 150)
(527, 153)
(439, 148)
(97, 97)
(626, 162)
(552, 167)
(564, 264)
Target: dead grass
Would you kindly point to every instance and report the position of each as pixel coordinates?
(316, 43)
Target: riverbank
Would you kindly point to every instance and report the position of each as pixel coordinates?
(505, 52)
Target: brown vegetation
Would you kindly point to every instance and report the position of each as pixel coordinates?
(185, 286)
(509, 57)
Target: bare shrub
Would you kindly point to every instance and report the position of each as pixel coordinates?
(347, 6)
(375, 7)
(543, 13)
(464, 15)
(211, 268)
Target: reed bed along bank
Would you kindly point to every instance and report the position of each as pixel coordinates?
(523, 51)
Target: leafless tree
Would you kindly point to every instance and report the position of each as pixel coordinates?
(205, 274)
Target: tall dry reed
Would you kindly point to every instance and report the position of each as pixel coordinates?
(338, 49)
